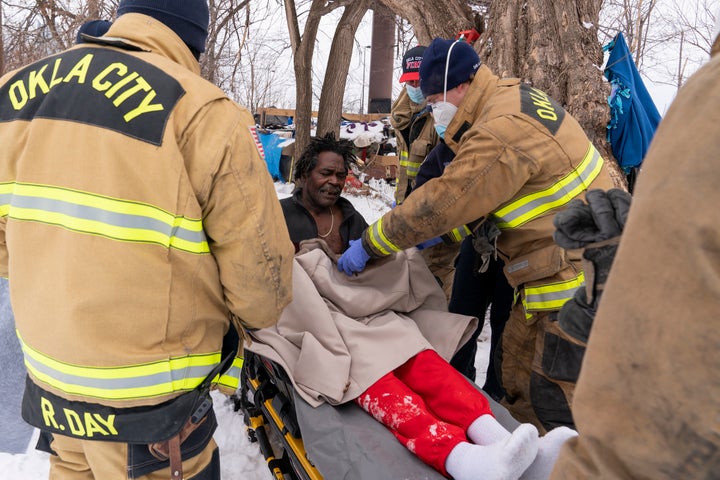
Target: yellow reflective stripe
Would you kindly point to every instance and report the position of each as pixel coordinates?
(552, 296)
(124, 382)
(458, 234)
(231, 378)
(536, 204)
(5, 197)
(403, 155)
(93, 214)
(377, 238)
(6, 190)
(412, 167)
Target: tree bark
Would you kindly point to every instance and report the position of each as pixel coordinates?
(331, 97)
(432, 18)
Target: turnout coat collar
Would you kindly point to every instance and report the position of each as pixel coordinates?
(404, 110)
(148, 34)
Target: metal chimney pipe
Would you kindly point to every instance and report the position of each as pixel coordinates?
(381, 60)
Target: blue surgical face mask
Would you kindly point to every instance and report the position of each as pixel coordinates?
(415, 94)
(440, 129)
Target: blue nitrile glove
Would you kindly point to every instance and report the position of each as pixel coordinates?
(429, 243)
(354, 258)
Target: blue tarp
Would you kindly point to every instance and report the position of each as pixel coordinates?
(271, 146)
(633, 115)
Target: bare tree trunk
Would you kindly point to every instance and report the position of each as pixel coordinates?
(222, 29)
(681, 63)
(52, 14)
(94, 10)
(303, 48)
(331, 97)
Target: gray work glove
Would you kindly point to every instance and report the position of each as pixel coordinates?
(485, 243)
(596, 227)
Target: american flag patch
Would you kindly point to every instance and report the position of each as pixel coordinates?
(258, 143)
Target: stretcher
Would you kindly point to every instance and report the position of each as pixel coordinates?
(301, 442)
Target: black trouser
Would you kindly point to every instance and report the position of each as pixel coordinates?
(472, 293)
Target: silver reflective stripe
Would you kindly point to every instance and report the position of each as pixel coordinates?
(113, 218)
(542, 298)
(116, 219)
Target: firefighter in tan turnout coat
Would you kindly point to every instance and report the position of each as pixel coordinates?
(520, 158)
(138, 222)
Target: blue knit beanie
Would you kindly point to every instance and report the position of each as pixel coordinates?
(187, 18)
(462, 65)
(94, 28)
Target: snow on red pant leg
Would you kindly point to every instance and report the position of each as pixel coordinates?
(405, 414)
(448, 394)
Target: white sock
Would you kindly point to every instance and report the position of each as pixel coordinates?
(486, 430)
(504, 460)
(548, 451)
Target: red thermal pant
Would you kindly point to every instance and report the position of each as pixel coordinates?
(427, 405)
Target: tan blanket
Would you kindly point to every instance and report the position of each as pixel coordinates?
(341, 334)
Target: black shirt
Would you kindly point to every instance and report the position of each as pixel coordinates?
(301, 223)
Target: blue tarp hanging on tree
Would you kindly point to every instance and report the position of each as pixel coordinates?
(271, 146)
(633, 115)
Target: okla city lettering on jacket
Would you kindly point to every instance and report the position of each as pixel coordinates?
(107, 88)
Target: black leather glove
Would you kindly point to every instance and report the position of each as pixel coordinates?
(596, 227)
(602, 218)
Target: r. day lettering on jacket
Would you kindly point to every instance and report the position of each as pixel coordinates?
(77, 423)
(101, 87)
(539, 105)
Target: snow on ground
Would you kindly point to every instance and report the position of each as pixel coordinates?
(240, 459)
